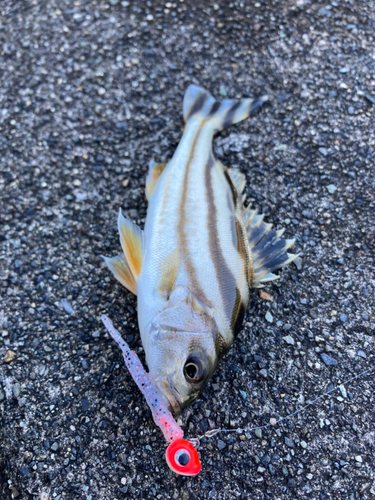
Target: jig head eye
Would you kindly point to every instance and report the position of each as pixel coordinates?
(183, 458)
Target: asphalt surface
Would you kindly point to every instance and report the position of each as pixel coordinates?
(90, 91)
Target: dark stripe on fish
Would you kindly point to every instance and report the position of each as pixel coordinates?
(232, 187)
(238, 314)
(228, 120)
(225, 277)
(216, 105)
(197, 106)
(244, 251)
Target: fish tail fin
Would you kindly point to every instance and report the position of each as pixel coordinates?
(200, 105)
(268, 248)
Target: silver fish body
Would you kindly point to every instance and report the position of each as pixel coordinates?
(199, 254)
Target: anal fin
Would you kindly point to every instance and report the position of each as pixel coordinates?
(154, 172)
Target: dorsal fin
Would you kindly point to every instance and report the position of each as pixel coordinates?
(268, 249)
(238, 179)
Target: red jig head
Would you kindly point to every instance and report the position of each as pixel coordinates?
(183, 458)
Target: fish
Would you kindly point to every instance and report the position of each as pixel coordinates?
(200, 253)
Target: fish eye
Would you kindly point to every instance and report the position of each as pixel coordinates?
(194, 370)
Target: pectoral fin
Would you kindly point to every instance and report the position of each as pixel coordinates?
(169, 272)
(121, 271)
(154, 172)
(131, 238)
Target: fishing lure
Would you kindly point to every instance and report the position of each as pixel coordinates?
(181, 455)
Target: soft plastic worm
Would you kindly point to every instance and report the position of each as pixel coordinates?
(162, 416)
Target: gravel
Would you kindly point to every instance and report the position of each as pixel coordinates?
(89, 93)
(328, 360)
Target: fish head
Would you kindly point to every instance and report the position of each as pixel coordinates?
(181, 354)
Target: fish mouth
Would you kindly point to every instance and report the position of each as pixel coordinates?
(170, 394)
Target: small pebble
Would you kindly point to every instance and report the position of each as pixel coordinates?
(223, 91)
(289, 442)
(16, 390)
(343, 391)
(67, 306)
(84, 364)
(243, 394)
(327, 360)
(9, 356)
(24, 472)
(264, 373)
(285, 470)
(343, 317)
(289, 339)
(221, 445)
(264, 295)
(331, 188)
(85, 404)
(269, 317)
(258, 433)
(362, 354)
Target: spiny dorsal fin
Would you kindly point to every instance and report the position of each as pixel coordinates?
(200, 105)
(131, 238)
(238, 179)
(121, 271)
(154, 172)
(268, 248)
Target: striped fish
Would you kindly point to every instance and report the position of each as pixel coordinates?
(199, 254)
